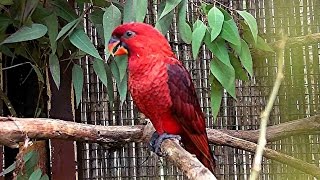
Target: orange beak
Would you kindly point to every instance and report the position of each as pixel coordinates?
(116, 47)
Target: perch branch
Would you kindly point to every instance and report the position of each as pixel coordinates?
(13, 130)
(309, 125)
(256, 166)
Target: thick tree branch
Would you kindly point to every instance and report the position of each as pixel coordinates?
(14, 130)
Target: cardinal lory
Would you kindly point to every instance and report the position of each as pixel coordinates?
(162, 89)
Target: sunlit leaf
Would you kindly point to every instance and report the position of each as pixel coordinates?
(197, 37)
(65, 29)
(262, 45)
(80, 40)
(216, 97)
(143, 8)
(163, 24)
(27, 33)
(36, 175)
(170, 5)
(111, 19)
(55, 69)
(184, 28)
(215, 20)
(230, 32)
(77, 80)
(251, 22)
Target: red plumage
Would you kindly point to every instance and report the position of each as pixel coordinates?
(162, 88)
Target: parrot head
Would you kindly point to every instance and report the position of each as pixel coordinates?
(137, 39)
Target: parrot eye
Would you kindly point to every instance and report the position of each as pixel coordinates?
(129, 34)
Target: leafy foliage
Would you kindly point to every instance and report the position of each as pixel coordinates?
(29, 170)
(45, 34)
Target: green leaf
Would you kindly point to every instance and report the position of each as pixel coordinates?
(4, 22)
(55, 69)
(28, 9)
(226, 14)
(115, 71)
(29, 155)
(129, 11)
(184, 28)
(67, 28)
(215, 20)
(52, 24)
(6, 2)
(122, 64)
(96, 18)
(64, 10)
(32, 162)
(110, 83)
(230, 32)
(143, 8)
(219, 48)
(197, 37)
(205, 7)
(80, 40)
(170, 5)
(163, 24)
(216, 97)
(27, 33)
(240, 73)
(123, 88)
(45, 177)
(251, 22)
(225, 75)
(261, 44)
(77, 80)
(245, 57)
(36, 175)
(104, 73)
(8, 169)
(111, 19)
(39, 74)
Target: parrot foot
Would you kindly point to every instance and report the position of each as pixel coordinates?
(156, 140)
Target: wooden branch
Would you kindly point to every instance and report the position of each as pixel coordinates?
(220, 138)
(309, 125)
(14, 130)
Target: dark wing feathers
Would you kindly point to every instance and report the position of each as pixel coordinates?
(185, 104)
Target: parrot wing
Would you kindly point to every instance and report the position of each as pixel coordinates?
(187, 110)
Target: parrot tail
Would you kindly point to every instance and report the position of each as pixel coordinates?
(198, 144)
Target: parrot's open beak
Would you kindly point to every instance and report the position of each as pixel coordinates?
(116, 47)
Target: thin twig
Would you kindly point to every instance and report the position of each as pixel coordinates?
(256, 167)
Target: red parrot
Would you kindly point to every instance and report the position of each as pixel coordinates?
(162, 88)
